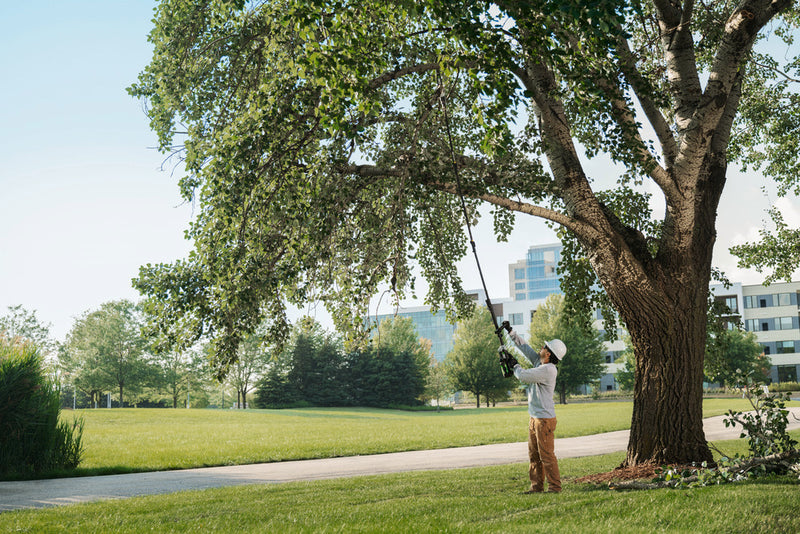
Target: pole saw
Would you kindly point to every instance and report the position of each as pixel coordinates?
(507, 361)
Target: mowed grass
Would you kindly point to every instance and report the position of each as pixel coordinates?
(479, 500)
(126, 440)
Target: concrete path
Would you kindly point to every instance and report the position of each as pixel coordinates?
(61, 491)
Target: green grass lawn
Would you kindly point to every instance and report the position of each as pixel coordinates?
(125, 440)
(486, 499)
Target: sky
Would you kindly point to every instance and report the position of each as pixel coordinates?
(85, 199)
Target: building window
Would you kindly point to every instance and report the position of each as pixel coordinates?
(784, 323)
(515, 318)
(519, 296)
(519, 285)
(764, 326)
(784, 299)
(785, 347)
(749, 302)
(762, 302)
(732, 304)
(787, 373)
(519, 274)
(751, 325)
(766, 350)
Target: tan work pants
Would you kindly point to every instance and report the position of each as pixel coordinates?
(541, 445)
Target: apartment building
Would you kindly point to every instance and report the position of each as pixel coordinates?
(772, 313)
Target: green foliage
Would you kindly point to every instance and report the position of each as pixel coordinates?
(274, 389)
(438, 385)
(383, 377)
(778, 251)
(784, 386)
(314, 369)
(626, 376)
(732, 352)
(473, 365)
(315, 137)
(765, 426)
(32, 439)
(585, 361)
(399, 335)
(106, 351)
(21, 323)
(772, 450)
(254, 354)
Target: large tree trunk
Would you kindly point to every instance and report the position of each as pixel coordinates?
(667, 422)
(664, 306)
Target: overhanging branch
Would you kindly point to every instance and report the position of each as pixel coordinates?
(516, 205)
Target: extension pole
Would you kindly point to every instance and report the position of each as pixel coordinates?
(504, 356)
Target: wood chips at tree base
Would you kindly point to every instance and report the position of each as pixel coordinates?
(637, 472)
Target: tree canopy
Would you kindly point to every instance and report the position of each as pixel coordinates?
(733, 352)
(21, 323)
(330, 146)
(105, 350)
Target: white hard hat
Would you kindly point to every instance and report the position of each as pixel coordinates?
(557, 347)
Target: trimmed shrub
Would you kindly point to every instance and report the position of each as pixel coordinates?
(32, 439)
(779, 387)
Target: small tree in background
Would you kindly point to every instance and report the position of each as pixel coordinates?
(438, 385)
(106, 350)
(253, 360)
(729, 351)
(473, 363)
(32, 439)
(584, 362)
(23, 324)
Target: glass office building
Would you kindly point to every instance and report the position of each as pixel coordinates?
(536, 277)
(431, 326)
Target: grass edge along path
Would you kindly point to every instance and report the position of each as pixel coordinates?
(483, 499)
(134, 440)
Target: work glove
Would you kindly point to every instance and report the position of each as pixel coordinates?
(507, 361)
(512, 333)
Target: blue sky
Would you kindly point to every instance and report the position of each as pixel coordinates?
(83, 197)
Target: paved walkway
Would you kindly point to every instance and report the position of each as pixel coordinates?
(61, 491)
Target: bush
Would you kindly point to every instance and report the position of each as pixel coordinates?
(784, 386)
(32, 439)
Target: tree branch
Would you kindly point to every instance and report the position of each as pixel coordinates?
(515, 205)
(369, 171)
(668, 146)
(740, 33)
(676, 39)
(387, 77)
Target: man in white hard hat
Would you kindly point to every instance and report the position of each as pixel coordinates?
(541, 381)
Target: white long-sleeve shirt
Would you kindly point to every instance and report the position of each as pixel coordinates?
(541, 381)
